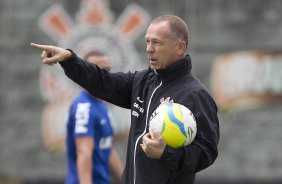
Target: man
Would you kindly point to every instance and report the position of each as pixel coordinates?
(168, 78)
(90, 155)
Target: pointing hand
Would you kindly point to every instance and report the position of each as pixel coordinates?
(51, 54)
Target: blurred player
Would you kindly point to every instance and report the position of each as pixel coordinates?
(90, 156)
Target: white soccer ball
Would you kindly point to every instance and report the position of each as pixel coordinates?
(176, 124)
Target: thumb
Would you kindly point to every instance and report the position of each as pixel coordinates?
(157, 135)
(159, 138)
(152, 136)
(51, 60)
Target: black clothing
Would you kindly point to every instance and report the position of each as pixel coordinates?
(142, 92)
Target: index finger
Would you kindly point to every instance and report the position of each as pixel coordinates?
(145, 138)
(152, 135)
(38, 46)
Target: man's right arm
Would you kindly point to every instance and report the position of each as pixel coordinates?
(116, 165)
(112, 87)
(84, 153)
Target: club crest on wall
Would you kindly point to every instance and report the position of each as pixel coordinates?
(94, 28)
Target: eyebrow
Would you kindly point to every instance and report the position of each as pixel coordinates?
(152, 39)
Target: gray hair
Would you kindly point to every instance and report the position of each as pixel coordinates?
(177, 26)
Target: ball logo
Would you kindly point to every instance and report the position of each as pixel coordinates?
(155, 113)
(190, 132)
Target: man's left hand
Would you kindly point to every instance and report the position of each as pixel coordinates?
(153, 145)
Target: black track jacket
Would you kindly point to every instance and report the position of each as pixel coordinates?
(142, 92)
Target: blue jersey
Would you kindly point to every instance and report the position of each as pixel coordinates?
(89, 117)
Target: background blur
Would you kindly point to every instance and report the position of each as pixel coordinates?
(250, 146)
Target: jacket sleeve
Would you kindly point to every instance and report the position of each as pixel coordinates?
(202, 152)
(111, 87)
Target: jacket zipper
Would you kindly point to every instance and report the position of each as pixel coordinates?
(134, 167)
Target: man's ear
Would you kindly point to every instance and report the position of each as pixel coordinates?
(181, 48)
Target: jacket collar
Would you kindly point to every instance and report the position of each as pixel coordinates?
(175, 70)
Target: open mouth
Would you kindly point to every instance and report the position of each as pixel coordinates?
(153, 61)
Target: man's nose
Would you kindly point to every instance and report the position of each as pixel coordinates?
(149, 48)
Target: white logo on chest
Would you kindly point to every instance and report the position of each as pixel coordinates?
(103, 121)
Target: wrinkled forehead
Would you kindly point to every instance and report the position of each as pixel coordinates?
(158, 30)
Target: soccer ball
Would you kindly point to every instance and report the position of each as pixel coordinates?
(176, 124)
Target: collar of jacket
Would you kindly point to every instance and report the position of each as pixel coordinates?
(176, 70)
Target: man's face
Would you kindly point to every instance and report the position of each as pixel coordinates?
(100, 61)
(161, 45)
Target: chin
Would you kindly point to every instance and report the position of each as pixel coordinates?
(154, 67)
